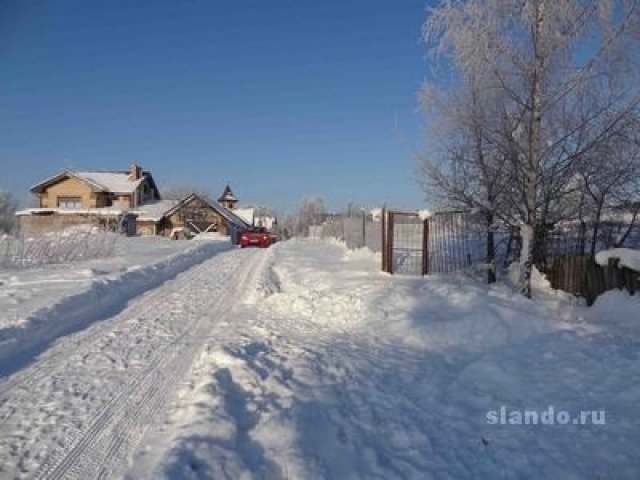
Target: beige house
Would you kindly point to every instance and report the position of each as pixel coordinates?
(81, 190)
(81, 197)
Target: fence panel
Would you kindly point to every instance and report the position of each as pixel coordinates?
(458, 240)
(445, 243)
(407, 243)
(564, 256)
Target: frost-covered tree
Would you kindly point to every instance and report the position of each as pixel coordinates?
(614, 183)
(7, 212)
(310, 212)
(466, 169)
(561, 76)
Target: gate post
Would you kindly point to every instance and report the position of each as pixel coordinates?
(425, 246)
(389, 235)
(383, 233)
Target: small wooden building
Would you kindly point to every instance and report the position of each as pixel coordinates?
(193, 214)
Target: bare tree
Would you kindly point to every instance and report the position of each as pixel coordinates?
(468, 170)
(563, 71)
(614, 183)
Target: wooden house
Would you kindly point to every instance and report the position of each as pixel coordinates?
(192, 214)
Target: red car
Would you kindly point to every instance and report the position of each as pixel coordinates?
(257, 237)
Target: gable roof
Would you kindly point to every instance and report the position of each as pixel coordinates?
(114, 182)
(111, 182)
(40, 187)
(229, 215)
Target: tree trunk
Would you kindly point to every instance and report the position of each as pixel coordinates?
(596, 228)
(533, 162)
(622, 239)
(491, 251)
(526, 258)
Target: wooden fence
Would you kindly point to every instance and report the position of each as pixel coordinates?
(582, 276)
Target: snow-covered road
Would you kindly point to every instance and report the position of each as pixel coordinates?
(82, 406)
(304, 361)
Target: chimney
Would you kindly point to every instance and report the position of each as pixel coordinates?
(135, 172)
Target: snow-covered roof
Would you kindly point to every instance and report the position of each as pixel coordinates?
(154, 211)
(115, 182)
(229, 215)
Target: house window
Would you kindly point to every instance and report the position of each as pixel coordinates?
(69, 202)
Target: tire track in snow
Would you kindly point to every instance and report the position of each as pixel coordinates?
(103, 444)
(77, 312)
(97, 327)
(149, 302)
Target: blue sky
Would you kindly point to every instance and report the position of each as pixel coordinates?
(281, 98)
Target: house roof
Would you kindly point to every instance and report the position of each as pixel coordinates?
(113, 182)
(228, 214)
(227, 195)
(156, 211)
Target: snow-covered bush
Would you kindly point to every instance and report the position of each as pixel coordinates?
(77, 243)
(7, 212)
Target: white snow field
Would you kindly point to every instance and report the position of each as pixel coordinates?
(37, 305)
(304, 361)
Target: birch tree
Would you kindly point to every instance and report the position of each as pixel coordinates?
(550, 62)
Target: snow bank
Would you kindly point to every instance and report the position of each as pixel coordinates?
(617, 307)
(539, 280)
(341, 288)
(628, 258)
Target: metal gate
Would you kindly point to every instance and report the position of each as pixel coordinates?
(404, 243)
(456, 240)
(444, 243)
